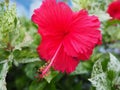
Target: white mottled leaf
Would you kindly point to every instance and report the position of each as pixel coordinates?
(3, 75)
(114, 64)
(97, 68)
(99, 77)
(100, 82)
(117, 83)
(28, 60)
(105, 80)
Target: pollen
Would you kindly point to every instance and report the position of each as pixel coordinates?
(44, 70)
(41, 69)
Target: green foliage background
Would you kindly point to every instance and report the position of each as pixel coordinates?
(19, 60)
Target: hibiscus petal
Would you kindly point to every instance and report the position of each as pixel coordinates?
(65, 63)
(48, 47)
(67, 37)
(52, 15)
(114, 9)
(84, 35)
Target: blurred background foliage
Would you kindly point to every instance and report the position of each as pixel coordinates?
(19, 60)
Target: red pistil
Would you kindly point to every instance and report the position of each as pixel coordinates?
(43, 71)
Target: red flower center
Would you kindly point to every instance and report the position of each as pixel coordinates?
(66, 33)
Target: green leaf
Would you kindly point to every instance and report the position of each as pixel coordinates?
(51, 76)
(26, 55)
(31, 69)
(81, 69)
(3, 75)
(50, 86)
(81, 3)
(35, 85)
(111, 75)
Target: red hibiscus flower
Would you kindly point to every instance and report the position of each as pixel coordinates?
(114, 9)
(67, 36)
